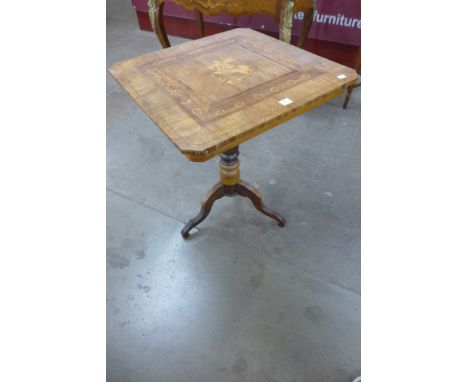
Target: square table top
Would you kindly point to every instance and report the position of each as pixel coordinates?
(211, 94)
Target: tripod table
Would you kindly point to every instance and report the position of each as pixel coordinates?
(210, 95)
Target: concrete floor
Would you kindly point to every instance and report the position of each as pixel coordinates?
(242, 299)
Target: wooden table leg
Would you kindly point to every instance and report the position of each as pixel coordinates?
(230, 185)
(155, 11)
(306, 24)
(199, 23)
(216, 192)
(286, 21)
(245, 189)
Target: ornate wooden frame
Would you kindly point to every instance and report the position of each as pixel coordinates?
(281, 10)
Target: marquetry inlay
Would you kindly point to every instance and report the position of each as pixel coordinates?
(211, 94)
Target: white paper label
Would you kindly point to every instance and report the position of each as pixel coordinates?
(341, 77)
(285, 101)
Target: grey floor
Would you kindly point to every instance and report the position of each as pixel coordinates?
(242, 299)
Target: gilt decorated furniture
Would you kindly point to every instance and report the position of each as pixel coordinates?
(281, 10)
(356, 84)
(210, 95)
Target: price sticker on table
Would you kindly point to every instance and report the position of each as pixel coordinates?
(285, 101)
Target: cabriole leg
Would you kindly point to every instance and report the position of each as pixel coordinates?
(155, 9)
(230, 185)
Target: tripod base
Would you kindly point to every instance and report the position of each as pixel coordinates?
(231, 185)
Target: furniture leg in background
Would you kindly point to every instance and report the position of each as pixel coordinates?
(286, 21)
(352, 87)
(281, 10)
(307, 23)
(156, 9)
(199, 22)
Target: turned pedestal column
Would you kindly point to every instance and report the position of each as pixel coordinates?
(231, 185)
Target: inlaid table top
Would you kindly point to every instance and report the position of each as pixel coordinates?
(210, 95)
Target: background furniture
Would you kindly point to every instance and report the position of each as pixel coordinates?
(281, 10)
(332, 41)
(356, 85)
(357, 66)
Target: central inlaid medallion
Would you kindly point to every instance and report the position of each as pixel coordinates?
(228, 72)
